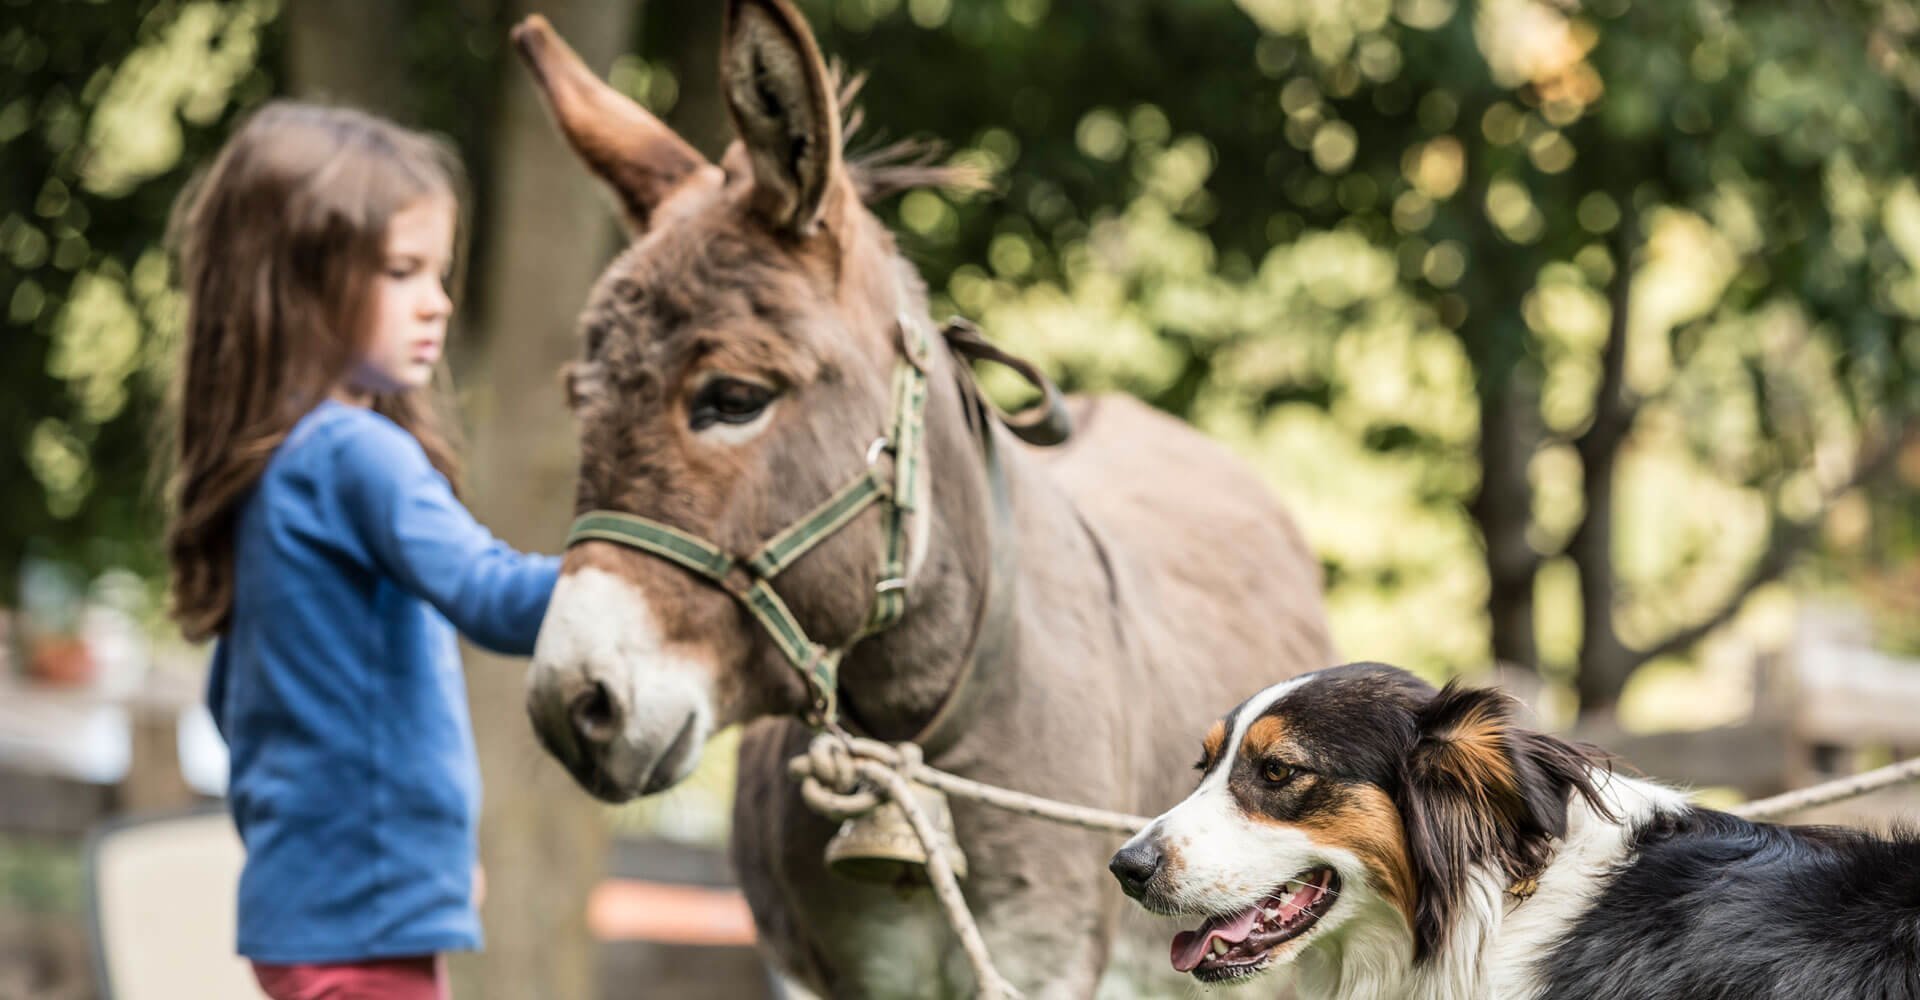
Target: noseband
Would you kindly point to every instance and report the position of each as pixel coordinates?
(896, 489)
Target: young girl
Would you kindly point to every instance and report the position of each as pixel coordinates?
(315, 532)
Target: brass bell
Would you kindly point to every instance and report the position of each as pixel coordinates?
(881, 847)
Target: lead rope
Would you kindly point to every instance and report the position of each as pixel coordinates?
(1828, 792)
(844, 776)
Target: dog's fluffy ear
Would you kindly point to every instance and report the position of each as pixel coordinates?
(1482, 795)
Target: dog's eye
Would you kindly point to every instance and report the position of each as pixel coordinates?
(1276, 772)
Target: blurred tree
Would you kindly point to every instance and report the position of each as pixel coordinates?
(1782, 133)
(1562, 324)
(550, 230)
(105, 108)
(1680, 234)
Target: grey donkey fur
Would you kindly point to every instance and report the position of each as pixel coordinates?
(1153, 578)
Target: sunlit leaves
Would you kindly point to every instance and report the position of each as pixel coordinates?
(1333, 147)
(60, 464)
(1101, 135)
(187, 72)
(1436, 168)
(652, 84)
(106, 106)
(1511, 208)
(97, 345)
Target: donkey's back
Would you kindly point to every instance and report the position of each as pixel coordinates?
(1214, 584)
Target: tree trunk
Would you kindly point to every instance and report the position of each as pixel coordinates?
(543, 841)
(1503, 509)
(1495, 337)
(1605, 663)
(348, 52)
(687, 36)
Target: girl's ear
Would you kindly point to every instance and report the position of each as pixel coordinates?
(1482, 798)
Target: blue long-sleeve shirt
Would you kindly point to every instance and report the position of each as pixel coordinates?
(354, 782)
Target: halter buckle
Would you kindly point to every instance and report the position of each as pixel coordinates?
(913, 341)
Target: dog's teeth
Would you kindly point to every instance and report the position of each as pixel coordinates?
(1219, 947)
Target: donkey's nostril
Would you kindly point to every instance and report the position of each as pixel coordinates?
(595, 716)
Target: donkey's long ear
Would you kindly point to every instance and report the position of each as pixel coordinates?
(783, 109)
(1482, 798)
(636, 154)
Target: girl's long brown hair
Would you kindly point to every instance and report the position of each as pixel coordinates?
(279, 244)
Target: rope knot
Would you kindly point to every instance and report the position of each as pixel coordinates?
(830, 760)
(830, 780)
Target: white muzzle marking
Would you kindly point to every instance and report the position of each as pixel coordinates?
(600, 630)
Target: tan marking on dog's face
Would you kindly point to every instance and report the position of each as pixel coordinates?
(1213, 743)
(1266, 738)
(1363, 820)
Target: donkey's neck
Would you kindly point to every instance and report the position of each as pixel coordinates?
(1053, 570)
(896, 682)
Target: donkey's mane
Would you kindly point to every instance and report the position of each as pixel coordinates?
(891, 168)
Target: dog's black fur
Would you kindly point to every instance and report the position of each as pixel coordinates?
(1712, 907)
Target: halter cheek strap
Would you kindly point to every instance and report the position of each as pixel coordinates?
(749, 578)
(897, 489)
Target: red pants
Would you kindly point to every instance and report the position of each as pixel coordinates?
(422, 978)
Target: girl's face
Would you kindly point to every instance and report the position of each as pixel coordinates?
(408, 307)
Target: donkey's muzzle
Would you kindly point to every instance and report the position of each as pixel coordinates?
(624, 715)
(586, 727)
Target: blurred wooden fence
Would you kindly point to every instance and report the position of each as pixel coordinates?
(1828, 706)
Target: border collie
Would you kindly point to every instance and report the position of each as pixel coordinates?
(1377, 838)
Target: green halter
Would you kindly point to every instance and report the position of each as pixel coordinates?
(749, 579)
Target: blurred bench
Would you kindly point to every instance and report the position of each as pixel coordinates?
(669, 916)
(160, 893)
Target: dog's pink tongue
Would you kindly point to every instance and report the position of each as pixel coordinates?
(1189, 947)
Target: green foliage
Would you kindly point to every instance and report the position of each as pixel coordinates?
(1352, 238)
(107, 108)
(1325, 230)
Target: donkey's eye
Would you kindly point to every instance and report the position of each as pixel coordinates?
(728, 401)
(1276, 772)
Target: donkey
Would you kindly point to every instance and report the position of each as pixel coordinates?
(1073, 615)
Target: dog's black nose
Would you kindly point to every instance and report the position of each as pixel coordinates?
(1135, 865)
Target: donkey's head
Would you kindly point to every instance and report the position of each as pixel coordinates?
(736, 365)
